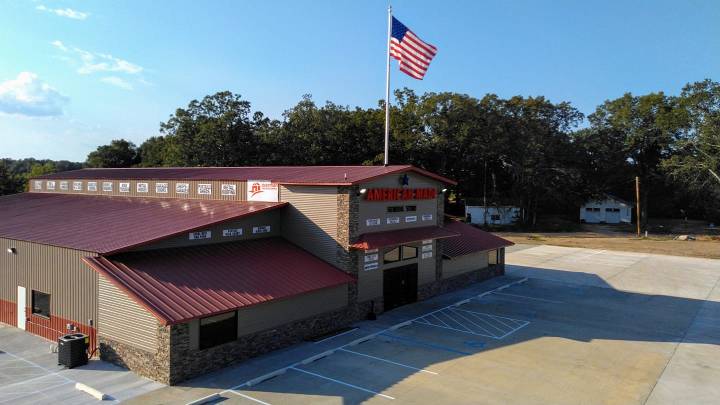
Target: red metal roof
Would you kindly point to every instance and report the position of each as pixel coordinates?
(178, 285)
(390, 238)
(471, 240)
(105, 224)
(307, 175)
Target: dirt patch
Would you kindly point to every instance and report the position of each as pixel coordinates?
(704, 246)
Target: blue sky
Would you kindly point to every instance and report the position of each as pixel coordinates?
(76, 74)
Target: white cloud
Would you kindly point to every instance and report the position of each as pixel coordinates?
(59, 45)
(92, 62)
(64, 12)
(27, 95)
(117, 81)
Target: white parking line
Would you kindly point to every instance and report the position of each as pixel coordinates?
(388, 361)
(341, 382)
(249, 397)
(264, 377)
(530, 298)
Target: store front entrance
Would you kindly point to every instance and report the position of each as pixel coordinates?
(400, 286)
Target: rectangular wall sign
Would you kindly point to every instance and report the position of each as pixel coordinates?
(143, 187)
(77, 185)
(427, 248)
(182, 188)
(372, 221)
(427, 217)
(393, 220)
(370, 266)
(200, 235)
(50, 185)
(92, 186)
(411, 218)
(161, 188)
(204, 189)
(229, 189)
(261, 229)
(107, 186)
(427, 255)
(371, 258)
(64, 185)
(124, 187)
(232, 232)
(262, 190)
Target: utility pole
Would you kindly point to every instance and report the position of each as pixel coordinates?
(637, 199)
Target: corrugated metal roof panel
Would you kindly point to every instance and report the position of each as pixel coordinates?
(308, 175)
(390, 238)
(178, 285)
(471, 240)
(105, 224)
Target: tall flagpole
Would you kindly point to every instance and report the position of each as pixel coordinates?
(387, 90)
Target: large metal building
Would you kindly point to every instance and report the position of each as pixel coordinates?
(174, 272)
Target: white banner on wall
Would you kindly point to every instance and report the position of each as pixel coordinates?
(262, 190)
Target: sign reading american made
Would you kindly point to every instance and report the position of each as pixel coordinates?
(228, 189)
(50, 185)
(161, 188)
(411, 218)
(232, 232)
(204, 189)
(124, 187)
(182, 188)
(37, 185)
(143, 187)
(77, 185)
(200, 235)
(427, 255)
(427, 217)
(400, 194)
(372, 221)
(261, 229)
(393, 220)
(64, 185)
(262, 190)
(107, 186)
(92, 186)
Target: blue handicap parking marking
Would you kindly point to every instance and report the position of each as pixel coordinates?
(474, 344)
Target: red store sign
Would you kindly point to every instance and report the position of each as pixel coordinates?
(398, 194)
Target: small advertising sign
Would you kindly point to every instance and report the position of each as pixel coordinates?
(370, 266)
(200, 235)
(371, 258)
(142, 187)
(228, 233)
(64, 185)
(427, 255)
(427, 217)
(107, 186)
(261, 229)
(411, 218)
(393, 220)
(50, 185)
(229, 189)
(262, 190)
(161, 188)
(124, 187)
(92, 186)
(182, 188)
(204, 189)
(77, 185)
(372, 221)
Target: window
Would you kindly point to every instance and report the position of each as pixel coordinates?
(400, 253)
(218, 329)
(396, 208)
(608, 210)
(392, 256)
(41, 304)
(588, 209)
(411, 208)
(409, 252)
(493, 257)
(495, 217)
(596, 209)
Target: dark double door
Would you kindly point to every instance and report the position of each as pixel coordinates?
(400, 286)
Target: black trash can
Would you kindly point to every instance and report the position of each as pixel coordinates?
(72, 350)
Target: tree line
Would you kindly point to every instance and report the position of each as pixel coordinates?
(547, 158)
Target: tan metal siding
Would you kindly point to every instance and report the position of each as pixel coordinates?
(216, 187)
(57, 271)
(271, 218)
(275, 313)
(310, 221)
(464, 264)
(123, 320)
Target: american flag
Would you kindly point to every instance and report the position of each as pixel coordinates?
(413, 54)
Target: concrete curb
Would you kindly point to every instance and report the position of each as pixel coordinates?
(100, 396)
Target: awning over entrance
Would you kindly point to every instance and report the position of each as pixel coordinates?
(391, 238)
(181, 284)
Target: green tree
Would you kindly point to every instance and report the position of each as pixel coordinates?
(120, 153)
(647, 127)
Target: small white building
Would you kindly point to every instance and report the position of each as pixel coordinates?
(492, 215)
(611, 210)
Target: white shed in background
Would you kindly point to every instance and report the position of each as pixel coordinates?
(611, 210)
(492, 215)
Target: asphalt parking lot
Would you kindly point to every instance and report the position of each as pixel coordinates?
(29, 374)
(565, 326)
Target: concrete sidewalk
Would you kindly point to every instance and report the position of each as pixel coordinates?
(29, 374)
